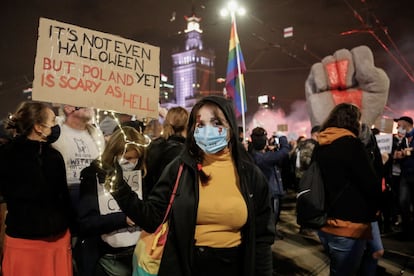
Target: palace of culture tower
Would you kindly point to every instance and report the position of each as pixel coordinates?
(192, 68)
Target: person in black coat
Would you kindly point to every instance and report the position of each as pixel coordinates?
(33, 184)
(167, 147)
(221, 221)
(107, 235)
(269, 161)
(352, 189)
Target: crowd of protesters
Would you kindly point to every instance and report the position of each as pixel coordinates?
(61, 203)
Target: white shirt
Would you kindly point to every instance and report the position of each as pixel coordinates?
(79, 149)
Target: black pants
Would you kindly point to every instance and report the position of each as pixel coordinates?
(115, 264)
(218, 261)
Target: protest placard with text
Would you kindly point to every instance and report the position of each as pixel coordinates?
(384, 142)
(87, 68)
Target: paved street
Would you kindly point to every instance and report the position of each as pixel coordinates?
(297, 254)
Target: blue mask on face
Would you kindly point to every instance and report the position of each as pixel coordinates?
(211, 139)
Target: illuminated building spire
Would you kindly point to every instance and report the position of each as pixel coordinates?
(193, 32)
(193, 68)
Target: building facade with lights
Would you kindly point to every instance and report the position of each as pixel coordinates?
(193, 69)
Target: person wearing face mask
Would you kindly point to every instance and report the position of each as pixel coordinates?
(405, 157)
(37, 240)
(107, 236)
(399, 141)
(79, 143)
(221, 221)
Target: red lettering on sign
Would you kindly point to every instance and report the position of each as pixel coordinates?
(74, 83)
(135, 101)
(114, 91)
(48, 80)
(51, 64)
(116, 77)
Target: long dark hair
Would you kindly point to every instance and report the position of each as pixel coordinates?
(344, 115)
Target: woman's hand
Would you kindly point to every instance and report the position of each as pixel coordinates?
(130, 222)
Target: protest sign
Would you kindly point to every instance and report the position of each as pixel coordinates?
(126, 236)
(384, 124)
(282, 127)
(107, 204)
(384, 142)
(87, 68)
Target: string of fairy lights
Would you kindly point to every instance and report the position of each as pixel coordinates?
(110, 180)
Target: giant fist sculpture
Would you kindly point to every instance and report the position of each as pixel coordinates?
(346, 76)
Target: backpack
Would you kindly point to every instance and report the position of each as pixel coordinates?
(310, 199)
(304, 156)
(311, 205)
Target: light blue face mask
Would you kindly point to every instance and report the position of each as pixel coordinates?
(211, 139)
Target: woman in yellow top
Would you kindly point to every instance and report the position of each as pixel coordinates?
(221, 222)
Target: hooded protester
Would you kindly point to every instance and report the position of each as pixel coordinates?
(221, 221)
(352, 189)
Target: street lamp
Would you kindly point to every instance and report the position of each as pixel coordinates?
(232, 8)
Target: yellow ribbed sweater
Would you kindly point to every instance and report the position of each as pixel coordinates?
(222, 210)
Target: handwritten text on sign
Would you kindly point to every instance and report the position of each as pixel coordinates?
(384, 142)
(83, 67)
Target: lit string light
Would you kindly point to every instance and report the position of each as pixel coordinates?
(111, 178)
(99, 144)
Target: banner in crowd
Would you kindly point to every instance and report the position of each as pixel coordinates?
(282, 127)
(87, 68)
(385, 125)
(384, 142)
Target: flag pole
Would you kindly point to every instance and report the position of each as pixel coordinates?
(233, 18)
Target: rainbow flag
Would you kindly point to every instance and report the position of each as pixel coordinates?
(234, 91)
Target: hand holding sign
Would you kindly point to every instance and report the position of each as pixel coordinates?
(407, 151)
(346, 76)
(130, 222)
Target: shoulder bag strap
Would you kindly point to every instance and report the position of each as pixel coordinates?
(180, 170)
